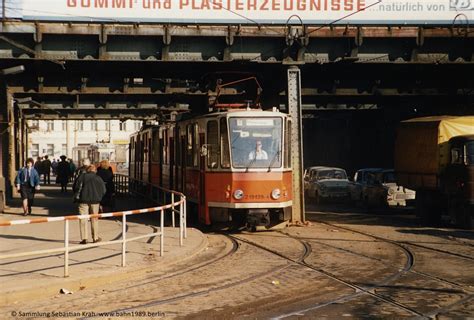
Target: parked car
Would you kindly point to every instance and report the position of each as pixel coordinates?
(358, 187)
(377, 187)
(322, 183)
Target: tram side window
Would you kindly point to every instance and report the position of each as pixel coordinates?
(179, 160)
(190, 145)
(165, 146)
(145, 147)
(155, 150)
(138, 151)
(288, 145)
(224, 142)
(132, 150)
(196, 146)
(212, 144)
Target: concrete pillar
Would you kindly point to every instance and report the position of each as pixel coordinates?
(11, 145)
(294, 110)
(23, 142)
(3, 149)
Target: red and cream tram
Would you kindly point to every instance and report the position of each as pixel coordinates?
(233, 166)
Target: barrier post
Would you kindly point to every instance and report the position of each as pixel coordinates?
(124, 238)
(181, 222)
(66, 248)
(162, 234)
(172, 210)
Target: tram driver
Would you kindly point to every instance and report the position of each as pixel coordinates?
(258, 153)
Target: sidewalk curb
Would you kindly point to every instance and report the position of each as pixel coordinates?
(12, 298)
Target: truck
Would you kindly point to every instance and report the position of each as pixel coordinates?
(435, 157)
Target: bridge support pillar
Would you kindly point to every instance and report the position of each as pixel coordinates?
(3, 148)
(12, 142)
(7, 143)
(294, 110)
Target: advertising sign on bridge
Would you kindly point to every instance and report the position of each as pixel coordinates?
(375, 12)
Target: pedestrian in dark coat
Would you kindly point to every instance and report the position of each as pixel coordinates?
(105, 172)
(39, 166)
(63, 173)
(27, 181)
(88, 192)
(82, 169)
(46, 168)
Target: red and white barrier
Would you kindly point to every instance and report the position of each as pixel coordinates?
(66, 249)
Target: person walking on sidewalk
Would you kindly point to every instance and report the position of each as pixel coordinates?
(39, 166)
(88, 192)
(72, 169)
(105, 172)
(46, 164)
(63, 173)
(54, 166)
(27, 181)
(82, 169)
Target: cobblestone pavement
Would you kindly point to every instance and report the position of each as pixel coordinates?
(345, 264)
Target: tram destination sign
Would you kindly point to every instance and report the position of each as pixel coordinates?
(316, 12)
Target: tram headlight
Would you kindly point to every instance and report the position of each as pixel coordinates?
(276, 194)
(390, 191)
(238, 194)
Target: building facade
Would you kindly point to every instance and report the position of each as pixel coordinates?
(65, 137)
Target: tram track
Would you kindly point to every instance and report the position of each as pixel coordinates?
(460, 286)
(156, 279)
(459, 255)
(206, 291)
(234, 249)
(359, 290)
(469, 294)
(294, 260)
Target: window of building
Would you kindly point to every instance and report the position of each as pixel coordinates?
(64, 125)
(50, 125)
(138, 125)
(35, 150)
(34, 124)
(107, 125)
(123, 125)
(94, 125)
(79, 126)
(50, 149)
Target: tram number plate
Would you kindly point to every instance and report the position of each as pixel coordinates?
(461, 4)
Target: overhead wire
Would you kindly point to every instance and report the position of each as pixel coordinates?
(321, 27)
(345, 17)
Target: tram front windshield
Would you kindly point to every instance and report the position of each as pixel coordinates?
(256, 142)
